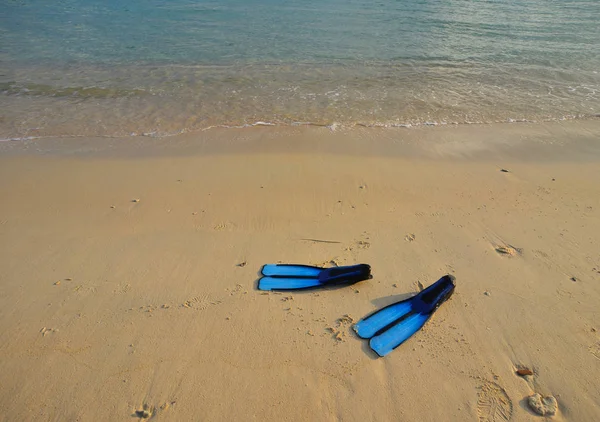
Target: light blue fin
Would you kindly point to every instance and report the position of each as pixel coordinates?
(290, 270)
(270, 283)
(398, 334)
(391, 326)
(368, 327)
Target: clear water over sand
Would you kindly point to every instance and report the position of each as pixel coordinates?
(76, 67)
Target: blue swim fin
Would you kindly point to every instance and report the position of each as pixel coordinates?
(391, 326)
(297, 277)
(288, 270)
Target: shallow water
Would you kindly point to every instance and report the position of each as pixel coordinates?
(157, 67)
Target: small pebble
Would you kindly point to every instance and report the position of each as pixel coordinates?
(135, 200)
(112, 206)
(505, 171)
(487, 293)
(524, 371)
(242, 264)
(573, 278)
(57, 283)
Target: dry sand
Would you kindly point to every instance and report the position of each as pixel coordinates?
(110, 306)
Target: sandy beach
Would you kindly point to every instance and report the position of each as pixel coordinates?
(129, 271)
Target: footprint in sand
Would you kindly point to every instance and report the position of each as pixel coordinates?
(328, 263)
(595, 350)
(509, 250)
(146, 412)
(493, 404)
(360, 244)
(200, 303)
(220, 226)
(363, 244)
(341, 327)
(501, 246)
(45, 331)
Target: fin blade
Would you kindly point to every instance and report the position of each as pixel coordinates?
(387, 341)
(281, 283)
(369, 326)
(287, 270)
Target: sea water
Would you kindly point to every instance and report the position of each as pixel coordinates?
(162, 67)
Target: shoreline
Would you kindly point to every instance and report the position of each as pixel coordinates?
(548, 141)
(333, 126)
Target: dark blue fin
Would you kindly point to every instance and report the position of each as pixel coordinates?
(296, 277)
(391, 326)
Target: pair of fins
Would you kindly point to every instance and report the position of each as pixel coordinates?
(386, 328)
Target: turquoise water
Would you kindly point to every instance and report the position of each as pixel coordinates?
(81, 67)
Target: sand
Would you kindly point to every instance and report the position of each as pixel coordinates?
(129, 269)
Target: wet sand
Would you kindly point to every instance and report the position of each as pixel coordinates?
(122, 288)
